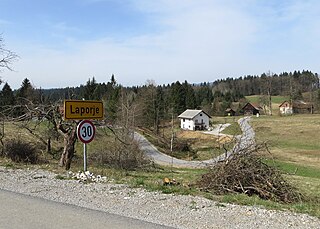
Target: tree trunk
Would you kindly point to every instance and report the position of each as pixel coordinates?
(49, 145)
(68, 152)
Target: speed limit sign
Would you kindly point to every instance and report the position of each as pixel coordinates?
(86, 131)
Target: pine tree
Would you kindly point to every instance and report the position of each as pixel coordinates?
(177, 97)
(6, 95)
(111, 99)
(190, 99)
(26, 93)
(89, 90)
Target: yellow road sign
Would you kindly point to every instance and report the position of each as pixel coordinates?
(83, 109)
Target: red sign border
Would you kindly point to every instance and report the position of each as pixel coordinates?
(78, 131)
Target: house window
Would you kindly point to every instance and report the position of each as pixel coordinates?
(200, 114)
(183, 120)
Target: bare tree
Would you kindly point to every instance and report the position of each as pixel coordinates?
(266, 98)
(30, 118)
(6, 57)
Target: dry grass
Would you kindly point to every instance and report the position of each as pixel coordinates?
(292, 138)
(205, 146)
(200, 140)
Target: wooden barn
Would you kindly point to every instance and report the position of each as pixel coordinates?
(252, 109)
(230, 112)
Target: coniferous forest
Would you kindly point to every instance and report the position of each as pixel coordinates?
(159, 102)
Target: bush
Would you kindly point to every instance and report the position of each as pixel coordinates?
(19, 151)
(121, 155)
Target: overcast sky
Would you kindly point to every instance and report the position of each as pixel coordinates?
(63, 43)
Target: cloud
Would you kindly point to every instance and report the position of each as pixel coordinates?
(63, 27)
(194, 40)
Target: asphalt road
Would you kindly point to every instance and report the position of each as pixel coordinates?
(247, 139)
(19, 211)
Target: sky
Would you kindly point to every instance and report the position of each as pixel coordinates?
(63, 43)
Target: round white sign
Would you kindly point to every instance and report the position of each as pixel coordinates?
(86, 131)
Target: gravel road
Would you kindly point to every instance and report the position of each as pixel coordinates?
(165, 209)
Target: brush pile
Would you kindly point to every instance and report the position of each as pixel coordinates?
(246, 172)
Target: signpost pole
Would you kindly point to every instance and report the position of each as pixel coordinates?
(84, 157)
(85, 133)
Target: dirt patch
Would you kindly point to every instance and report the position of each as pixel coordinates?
(310, 158)
(196, 135)
(225, 139)
(204, 139)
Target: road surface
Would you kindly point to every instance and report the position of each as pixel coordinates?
(18, 211)
(247, 139)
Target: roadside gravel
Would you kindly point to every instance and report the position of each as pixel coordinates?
(166, 209)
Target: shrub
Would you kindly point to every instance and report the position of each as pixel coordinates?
(19, 151)
(121, 155)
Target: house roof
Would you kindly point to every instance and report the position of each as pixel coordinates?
(229, 110)
(191, 114)
(284, 103)
(255, 106)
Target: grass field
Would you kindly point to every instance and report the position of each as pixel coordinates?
(274, 99)
(291, 138)
(295, 149)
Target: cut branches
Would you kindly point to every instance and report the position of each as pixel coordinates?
(245, 172)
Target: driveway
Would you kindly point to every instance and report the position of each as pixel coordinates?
(243, 141)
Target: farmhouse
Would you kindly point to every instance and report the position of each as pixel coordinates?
(251, 109)
(194, 120)
(285, 108)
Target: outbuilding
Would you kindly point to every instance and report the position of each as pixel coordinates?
(194, 120)
(230, 112)
(302, 107)
(252, 109)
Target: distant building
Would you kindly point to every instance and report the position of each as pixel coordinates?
(230, 112)
(194, 120)
(296, 107)
(301, 107)
(252, 109)
(285, 108)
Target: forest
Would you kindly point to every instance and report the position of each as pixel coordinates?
(148, 105)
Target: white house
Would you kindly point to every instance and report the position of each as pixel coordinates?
(194, 120)
(285, 108)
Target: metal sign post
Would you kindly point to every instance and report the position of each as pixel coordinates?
(85, 132)
(84, 157)
(84, 109)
